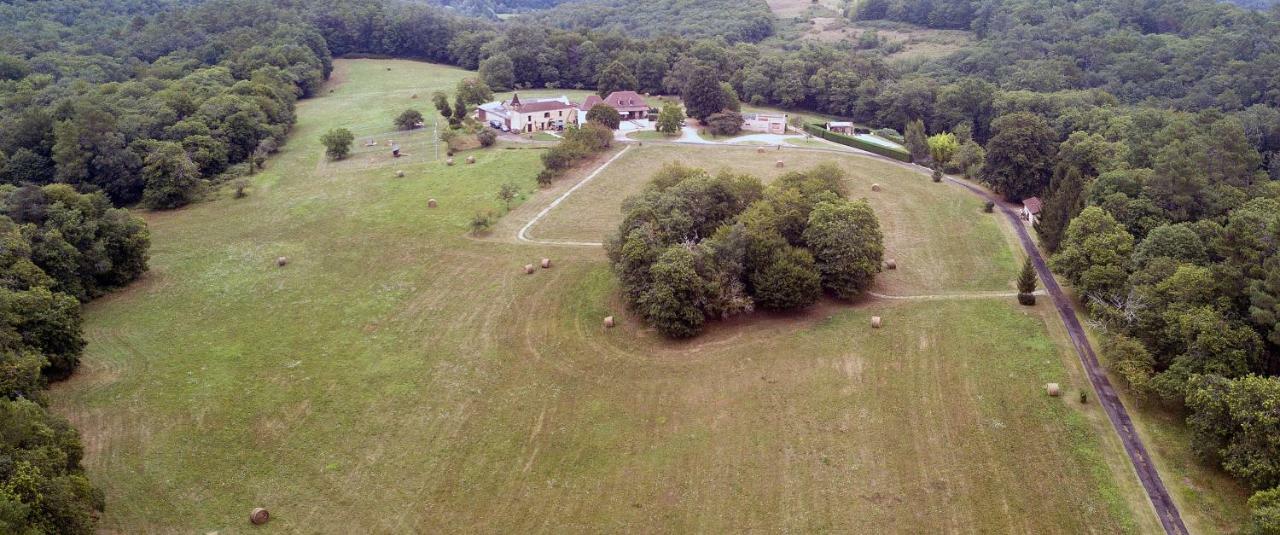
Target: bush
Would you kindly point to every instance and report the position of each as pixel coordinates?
(1264, 512)
(988, 207)
(725, 123)
(937, 175)
(481, 222)
(408, 119)
(487, 137)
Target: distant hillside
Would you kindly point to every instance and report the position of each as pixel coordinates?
(735, 20)
(1254, 4)
(492, 8)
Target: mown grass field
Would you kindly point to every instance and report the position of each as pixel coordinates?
(939, 236)
(400, 376)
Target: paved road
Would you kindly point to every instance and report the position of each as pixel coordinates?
(1166, 510)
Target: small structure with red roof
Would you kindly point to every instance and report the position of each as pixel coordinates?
(1031, 209)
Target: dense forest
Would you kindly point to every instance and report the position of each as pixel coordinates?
(1151, 129)
(733, 20)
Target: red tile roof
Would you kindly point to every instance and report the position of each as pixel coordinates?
(591, 102)
(626, 101)
(1032, 205)
(546, 105)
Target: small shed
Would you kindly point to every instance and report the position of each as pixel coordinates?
(841, 127)
(1031, 209)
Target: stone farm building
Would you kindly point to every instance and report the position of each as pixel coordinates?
(630, 105)
(769, 123)
(529, 115)
(841, 127)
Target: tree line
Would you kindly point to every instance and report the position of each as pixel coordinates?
(58, 248)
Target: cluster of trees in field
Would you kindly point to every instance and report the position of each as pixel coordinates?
(694, 247)
(58, 248)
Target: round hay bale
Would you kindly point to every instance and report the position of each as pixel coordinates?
(891, 264)
(875, 187)
(528, 269)
(876, 322)
(282, 261)
(608, 322)
(400, 174)
(779, 164)
(449, 161)
(471, 159)
(546, 263)
(1053, 389)
(415, 95)
(760, 150)
(431, 203)
(259, 516)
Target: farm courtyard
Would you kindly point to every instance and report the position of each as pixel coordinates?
(400, 375)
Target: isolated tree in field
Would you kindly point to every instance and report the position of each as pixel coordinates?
(170, 177)
(498, 72)
(1095, 254)
(408, 119)
(942, 147)
(847, 246)
(670, 118)
(703, 95)
(441, 102)
(1020, 155)
(337, 143)
(725, 123)
(615, 77)
(474, 91)
(604, 115)
(1027, 284)
(507, 192)
(917, 141)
